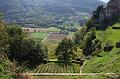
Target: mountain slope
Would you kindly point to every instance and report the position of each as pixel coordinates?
(46, 12)
(106, 62)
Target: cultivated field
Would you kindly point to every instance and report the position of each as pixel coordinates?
(51, 50)
(55, 68)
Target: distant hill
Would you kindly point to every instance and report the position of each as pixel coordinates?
(48, 12)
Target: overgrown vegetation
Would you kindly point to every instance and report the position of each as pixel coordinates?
(16, 47)
(65, 51)
(106, 62)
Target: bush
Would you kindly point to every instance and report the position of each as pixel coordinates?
(65, 51)
(88, 42)
(118, 44)
(108, 46)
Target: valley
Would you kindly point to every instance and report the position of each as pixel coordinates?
(59, 39)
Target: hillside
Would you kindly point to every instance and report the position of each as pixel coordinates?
(48, 12)
(106, 62)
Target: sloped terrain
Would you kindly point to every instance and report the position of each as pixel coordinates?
(107, 62)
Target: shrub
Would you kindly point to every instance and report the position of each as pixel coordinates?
(118, 44)
(108, 46)
(65, 51)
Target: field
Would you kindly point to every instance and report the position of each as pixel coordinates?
(54, 38)
(40, 36)
(55, 68)
(51, 50)
(52, 41)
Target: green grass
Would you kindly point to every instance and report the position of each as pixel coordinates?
(53, 29)
(51, 50)
(110, 61)
(115, 36)
(39, 35)
(110, 34)
(52, 41)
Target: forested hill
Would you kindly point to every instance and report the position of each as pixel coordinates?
(46, 12)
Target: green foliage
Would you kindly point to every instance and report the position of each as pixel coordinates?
(3, 39)
(4, 69)
(14, 32)
(24, 50)
(88, 42)
(108, 62)
(1, 15)
(65, 51)
(39, 36)
(96, 46)
(79, 36)
(89, 24)
(53, 67)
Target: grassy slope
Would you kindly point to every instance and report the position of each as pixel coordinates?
(110, 61)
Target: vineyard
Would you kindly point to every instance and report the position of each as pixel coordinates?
(55, 68)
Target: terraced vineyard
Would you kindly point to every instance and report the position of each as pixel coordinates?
(55, 68)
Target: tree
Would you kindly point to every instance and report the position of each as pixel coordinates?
(3, 40)
(32, 52)
(15, 35)
(90, 24)
(15, 32)
(24, 50)
(96, 46)
(65, 51)
(4, 62)
(80, 35)
(87, 42)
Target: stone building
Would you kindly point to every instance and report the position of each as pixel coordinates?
(112, 9)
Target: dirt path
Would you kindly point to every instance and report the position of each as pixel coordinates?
(82, 66)
(67, 74)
